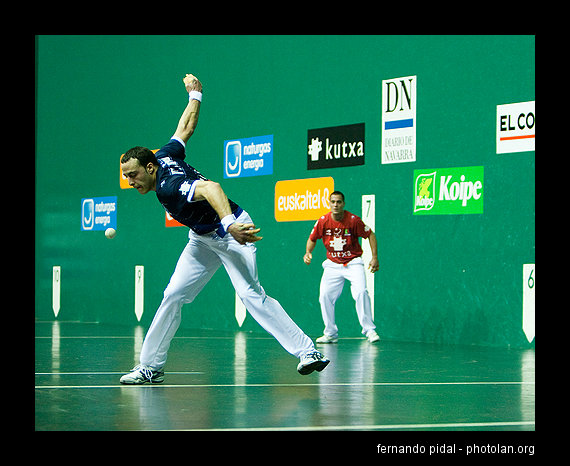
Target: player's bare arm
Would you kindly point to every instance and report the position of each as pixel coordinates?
(189, 119)
(309, 251)
(373, 265)
(213, 193)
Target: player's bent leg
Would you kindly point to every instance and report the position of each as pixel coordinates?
(272, 317)
(330, 289)
(364, 311)
(240, 263)
(355, 274)
(194, 269)
(267, 311)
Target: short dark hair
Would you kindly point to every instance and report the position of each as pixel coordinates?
(338, 193)
(142, 154)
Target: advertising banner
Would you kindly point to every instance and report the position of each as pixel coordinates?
(457, 190)
(399, 120)
(98, 213)
(248, 157)
(306, 199)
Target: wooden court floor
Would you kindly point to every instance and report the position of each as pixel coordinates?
(246, 381)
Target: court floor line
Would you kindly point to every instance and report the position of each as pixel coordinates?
(277, 385)
(451, 425)
(251, 337)
(118, 337)
(104, 373)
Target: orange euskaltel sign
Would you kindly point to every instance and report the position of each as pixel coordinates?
(306, 199)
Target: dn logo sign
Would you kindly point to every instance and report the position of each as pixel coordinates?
(399, 120)
(398, 95)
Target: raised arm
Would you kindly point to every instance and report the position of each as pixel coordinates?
(189, 118)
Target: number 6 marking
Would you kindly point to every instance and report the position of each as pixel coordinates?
(530, 282)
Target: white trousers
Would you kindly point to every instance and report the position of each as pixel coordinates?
(201, 257)
(332, 283)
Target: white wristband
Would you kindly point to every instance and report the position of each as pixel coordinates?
(227, 221)
(196, 95)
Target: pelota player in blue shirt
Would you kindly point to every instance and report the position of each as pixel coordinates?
(221, 233)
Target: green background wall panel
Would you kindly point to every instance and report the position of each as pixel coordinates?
(448, 278)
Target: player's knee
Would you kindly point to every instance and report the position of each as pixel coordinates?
(360, 294)
(175, 293)
(252, 294)
(327, 298)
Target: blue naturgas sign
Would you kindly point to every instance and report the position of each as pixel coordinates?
(248, 157)
(98, 213)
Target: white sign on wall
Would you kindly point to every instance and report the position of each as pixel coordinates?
(528, 301)
(515, 127)
(369, 219)
(399, 120)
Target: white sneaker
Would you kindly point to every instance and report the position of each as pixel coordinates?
(372, 336)
(142, 374)
(327, 339)
(313, 361)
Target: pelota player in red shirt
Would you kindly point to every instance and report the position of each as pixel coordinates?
(340, 230)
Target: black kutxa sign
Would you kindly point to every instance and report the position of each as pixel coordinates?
(336, 146)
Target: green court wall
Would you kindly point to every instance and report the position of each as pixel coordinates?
(451, 279)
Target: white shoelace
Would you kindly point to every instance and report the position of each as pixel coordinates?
(145, 371)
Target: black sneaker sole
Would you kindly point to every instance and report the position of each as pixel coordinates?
(314, 366)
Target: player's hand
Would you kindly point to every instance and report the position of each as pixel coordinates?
(192, 84)
(307, 258)
(244, 232)
(374, 266)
